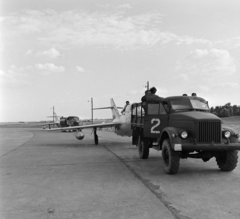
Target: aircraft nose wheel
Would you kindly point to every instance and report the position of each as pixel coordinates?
(95, 137)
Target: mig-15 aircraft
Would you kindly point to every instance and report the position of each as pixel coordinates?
(120, 123)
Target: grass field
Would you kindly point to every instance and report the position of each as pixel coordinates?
(232, 122)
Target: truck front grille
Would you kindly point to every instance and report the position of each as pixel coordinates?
(209, 131)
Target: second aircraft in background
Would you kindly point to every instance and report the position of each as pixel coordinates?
(120, 124)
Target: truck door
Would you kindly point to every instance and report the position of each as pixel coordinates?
(155, 120)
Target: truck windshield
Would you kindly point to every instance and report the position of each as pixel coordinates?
(196, 104)
(187, 104)
(76, 119)
(181, 104)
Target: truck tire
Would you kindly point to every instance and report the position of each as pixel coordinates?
(171, 159)
(227, 161)
(143, 148)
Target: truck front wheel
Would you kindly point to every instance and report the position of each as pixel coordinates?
(171, 159)
(227, 161)
(143, 148)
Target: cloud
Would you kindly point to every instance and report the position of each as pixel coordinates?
(80, 69)
(127, 6)
(50, 67)
(198, 53)
(22, 71)
(191, 40)
(228, 84)
(28, 52)
(204, 88)
(51, 53)
(161, 91)
(231, 43)
(15, 76)
(2, 19)
(185, 77)
(213, 62)
(134, 92)
(104, 29)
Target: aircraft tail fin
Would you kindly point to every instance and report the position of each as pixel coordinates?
(55, 118)
(115, 112)
(113, 107)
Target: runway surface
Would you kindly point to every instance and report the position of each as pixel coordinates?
(53, 175)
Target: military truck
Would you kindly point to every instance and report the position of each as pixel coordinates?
(183, 127)
(69, 121)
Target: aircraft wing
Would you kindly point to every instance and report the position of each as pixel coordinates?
(44, 124)
(99, 125)
(38, 124)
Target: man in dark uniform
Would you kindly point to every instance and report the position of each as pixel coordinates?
(143, 99)
(152, 95)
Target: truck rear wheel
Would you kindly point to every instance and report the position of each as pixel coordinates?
(143, 148)
(227, 161)
(171, 159)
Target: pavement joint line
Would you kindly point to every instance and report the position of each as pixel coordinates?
(55, 165)
(146, 183)
(126, 141)
(20, 145)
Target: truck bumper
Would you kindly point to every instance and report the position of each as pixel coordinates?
(206, 147)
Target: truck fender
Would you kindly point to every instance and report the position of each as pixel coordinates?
(171, 133)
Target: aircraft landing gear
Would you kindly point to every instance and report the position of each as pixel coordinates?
(95, 137)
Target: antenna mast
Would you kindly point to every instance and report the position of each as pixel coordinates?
(92, 108)
(147, 85)
(53, 114)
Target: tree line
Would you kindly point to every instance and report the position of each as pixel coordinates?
(226, 110)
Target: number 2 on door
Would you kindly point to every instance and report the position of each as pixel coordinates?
(155, 126)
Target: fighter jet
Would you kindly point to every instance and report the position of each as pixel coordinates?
(120, 124)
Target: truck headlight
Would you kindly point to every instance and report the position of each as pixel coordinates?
(183, 134)
(226, 134)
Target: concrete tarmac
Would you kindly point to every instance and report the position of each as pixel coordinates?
(53, 175)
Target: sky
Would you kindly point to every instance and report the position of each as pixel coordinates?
(62, 53)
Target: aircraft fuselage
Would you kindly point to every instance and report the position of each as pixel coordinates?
(124, 129)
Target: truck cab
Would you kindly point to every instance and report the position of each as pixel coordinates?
(182, 127)
(69, 121)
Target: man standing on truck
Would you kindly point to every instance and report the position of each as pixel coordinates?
(143, 99)
(123, 111)
(152, 95)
